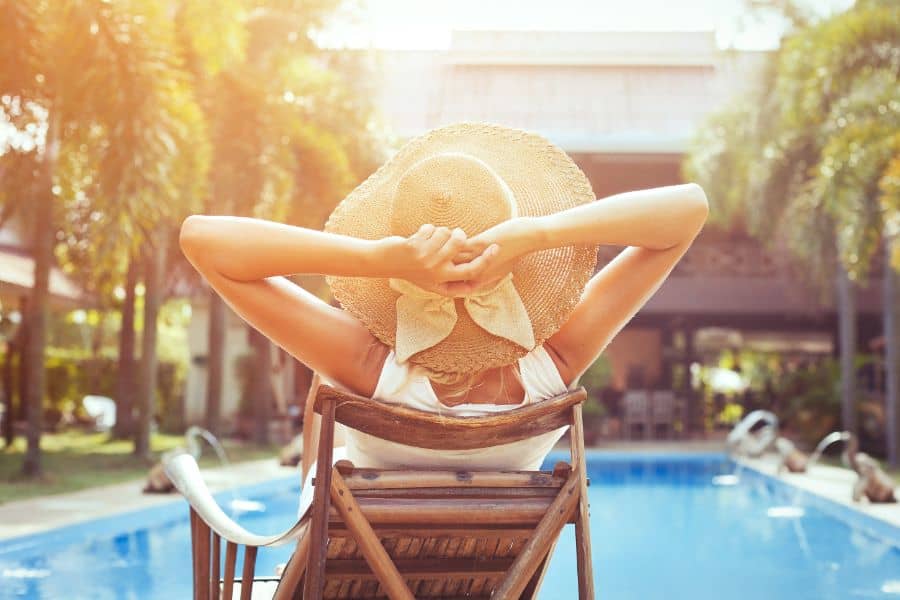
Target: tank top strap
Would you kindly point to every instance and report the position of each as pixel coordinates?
(400, 383)
(540, 377)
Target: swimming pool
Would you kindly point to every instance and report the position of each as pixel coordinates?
(660, 528)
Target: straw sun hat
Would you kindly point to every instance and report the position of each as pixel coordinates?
(471, 176)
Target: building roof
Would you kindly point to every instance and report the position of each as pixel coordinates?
(17, 278)
(591, 92)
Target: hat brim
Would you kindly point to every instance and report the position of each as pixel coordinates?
(544, 180)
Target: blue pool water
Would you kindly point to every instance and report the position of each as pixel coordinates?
(660, 529)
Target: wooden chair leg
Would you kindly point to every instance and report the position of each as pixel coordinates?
(247, 572)
(582, 523)
(534, 584)
(230, 559)
(200, 534)
(290, 580)
(315, 572)
(214, 576)
(195, 552)
(525, 565)
(369, 544)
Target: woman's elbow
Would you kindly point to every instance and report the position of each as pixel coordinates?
(699, 205)
(191, 237)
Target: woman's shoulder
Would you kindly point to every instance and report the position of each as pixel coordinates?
(375, 360)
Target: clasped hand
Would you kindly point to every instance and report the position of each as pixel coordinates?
(447, 262)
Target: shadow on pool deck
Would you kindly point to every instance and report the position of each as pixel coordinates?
(24, 517)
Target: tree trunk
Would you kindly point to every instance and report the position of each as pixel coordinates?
(694, 421)
(153, 283)
(7, 382)
(126, 386)
(261, 394)
(15, 346)
(847, 331)
(22, 349)
(36, 322)
(892, 354)
(7, 396)
(215, 362)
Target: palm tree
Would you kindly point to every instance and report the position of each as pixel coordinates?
(890, 200)
(111, 119)
(277, 152)
(814, 153)
(838, 81)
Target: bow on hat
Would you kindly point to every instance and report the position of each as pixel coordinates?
(426, 318)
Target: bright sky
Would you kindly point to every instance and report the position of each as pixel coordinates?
(426, 24)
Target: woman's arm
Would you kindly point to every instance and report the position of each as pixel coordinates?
(244, 249)
(656, 219)
(243, 260)
(658, 225)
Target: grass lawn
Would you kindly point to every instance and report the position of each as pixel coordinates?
(76, 460)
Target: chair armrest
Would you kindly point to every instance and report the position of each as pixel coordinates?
(185, 475)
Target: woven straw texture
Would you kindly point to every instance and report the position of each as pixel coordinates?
(543, 180)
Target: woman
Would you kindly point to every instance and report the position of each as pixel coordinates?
(465, 272)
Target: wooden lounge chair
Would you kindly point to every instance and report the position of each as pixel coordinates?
(374, 533)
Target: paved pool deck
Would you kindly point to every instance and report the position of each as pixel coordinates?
(25, 517)
(833, 483)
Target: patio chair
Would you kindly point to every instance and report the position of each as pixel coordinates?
(636, 411)
(662, 413)
(416, 533)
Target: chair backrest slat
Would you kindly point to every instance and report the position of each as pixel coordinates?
(422, 429)
(377, 479)
(439, 513)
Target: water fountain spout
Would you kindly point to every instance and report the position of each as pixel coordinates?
(741, 440)
(194, 433)
(832, 438)
(192, 438)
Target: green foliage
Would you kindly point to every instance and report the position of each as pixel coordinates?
(804, 161)
(111, 117)
(210, 34)
(890, 205)
(597, 377)
(20, 47)
(130, 104)
(814, 400)
(287, 129)
(71, 376)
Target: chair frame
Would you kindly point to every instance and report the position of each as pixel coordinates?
(337, 499)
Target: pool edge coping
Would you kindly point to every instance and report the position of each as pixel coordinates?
(854, 514)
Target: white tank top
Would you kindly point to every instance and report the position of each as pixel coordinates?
(409, 386)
